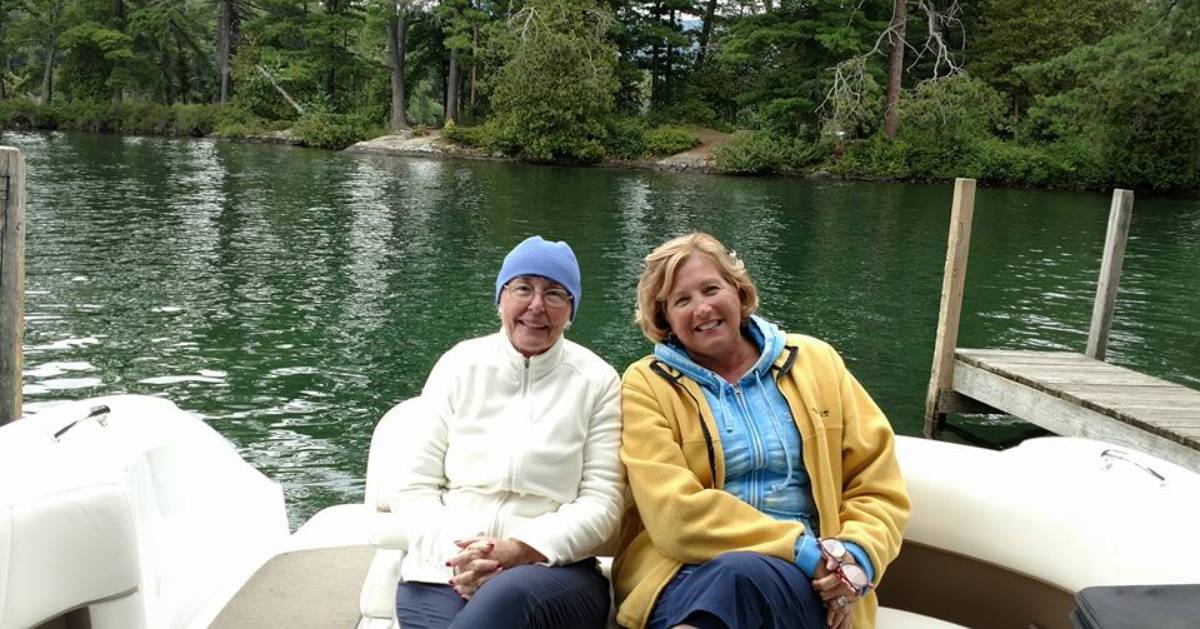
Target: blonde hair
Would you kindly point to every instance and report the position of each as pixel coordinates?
(658, 279)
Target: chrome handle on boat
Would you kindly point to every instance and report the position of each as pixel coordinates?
(97, 412)
(1111, 454)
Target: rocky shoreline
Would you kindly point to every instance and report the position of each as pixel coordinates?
(434, 145)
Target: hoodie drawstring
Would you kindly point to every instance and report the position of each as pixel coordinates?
(787, 454)
(724, 411)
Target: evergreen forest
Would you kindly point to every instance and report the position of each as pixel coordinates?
(1055, 93)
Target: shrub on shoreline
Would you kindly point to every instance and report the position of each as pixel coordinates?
(333, 131)
(760, 153)
(132, 117)
(669, 140)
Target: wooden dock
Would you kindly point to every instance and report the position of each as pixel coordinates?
(1069, 393)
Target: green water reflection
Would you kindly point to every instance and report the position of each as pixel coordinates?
(292, 296)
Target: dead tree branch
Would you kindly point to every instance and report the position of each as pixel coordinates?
(845, 102)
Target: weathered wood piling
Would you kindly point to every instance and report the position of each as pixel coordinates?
(12, 281)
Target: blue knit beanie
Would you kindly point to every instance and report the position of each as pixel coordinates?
(552, 260)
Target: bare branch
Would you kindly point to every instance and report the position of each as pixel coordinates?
(938, 23)
(525, 20)
(845, 102)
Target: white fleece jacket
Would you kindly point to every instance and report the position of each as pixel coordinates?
(511, 447)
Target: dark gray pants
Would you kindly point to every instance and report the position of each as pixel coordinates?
(529, 597)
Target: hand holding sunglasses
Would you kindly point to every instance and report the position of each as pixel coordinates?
(850, 575)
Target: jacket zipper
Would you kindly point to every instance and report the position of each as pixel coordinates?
(756, 443)
(512, 467)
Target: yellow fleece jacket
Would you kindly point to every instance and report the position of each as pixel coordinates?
(680, 514)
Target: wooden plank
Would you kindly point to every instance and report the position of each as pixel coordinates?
(1014, 375)
(1031, 361)
(954, 403)
(1129, 409)
(1160, 413)
(1183, 425)
(12, 281)
(1093, 371)
(1019, 355)
(1102, 382)
(1065, 418)
(1110, 272)
(1130, 392)
(1075, 377)
(962, 210)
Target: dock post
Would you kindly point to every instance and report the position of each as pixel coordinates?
(12, 281)
(953, 280)
(1110, 272)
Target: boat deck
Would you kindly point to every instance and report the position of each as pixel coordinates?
(305, 589)
(1072, 394)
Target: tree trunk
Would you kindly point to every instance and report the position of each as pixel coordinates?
(48, 75)
(706, 25)
(397, 25)
(3, 61)
(474, 56)
(899, 26)
(119, 16)
(654, 95)
(330, 80)
(667, 85)
(227, 22)
(769, 5)
(183, 72)
(168, 65)
(452, 88)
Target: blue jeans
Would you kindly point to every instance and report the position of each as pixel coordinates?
(532, 596)
(740, 590)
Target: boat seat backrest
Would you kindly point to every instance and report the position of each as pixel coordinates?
(49, 539)
(382, 460)
(378, 598)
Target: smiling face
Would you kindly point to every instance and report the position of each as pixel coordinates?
(531, 324)
(704, 310)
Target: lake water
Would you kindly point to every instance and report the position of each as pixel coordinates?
(291, 296)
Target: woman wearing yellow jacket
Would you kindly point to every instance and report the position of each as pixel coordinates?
(765, 484)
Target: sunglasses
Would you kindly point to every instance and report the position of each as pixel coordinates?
(849, 575)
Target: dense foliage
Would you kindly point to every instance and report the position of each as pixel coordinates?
(1079, 93)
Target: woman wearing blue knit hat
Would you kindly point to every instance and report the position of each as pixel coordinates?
(512, 477)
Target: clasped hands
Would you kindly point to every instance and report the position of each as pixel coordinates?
(839, 599)
(481, 558)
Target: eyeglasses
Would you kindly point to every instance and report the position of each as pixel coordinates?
(850, 575)
(552, 297)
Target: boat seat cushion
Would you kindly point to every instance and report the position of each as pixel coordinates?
(49, 537)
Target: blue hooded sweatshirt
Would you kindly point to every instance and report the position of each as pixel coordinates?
(764, 466)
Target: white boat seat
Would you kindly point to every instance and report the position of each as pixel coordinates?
(125, 517)
(1035, 524)
(377, 602)
(52, 538)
